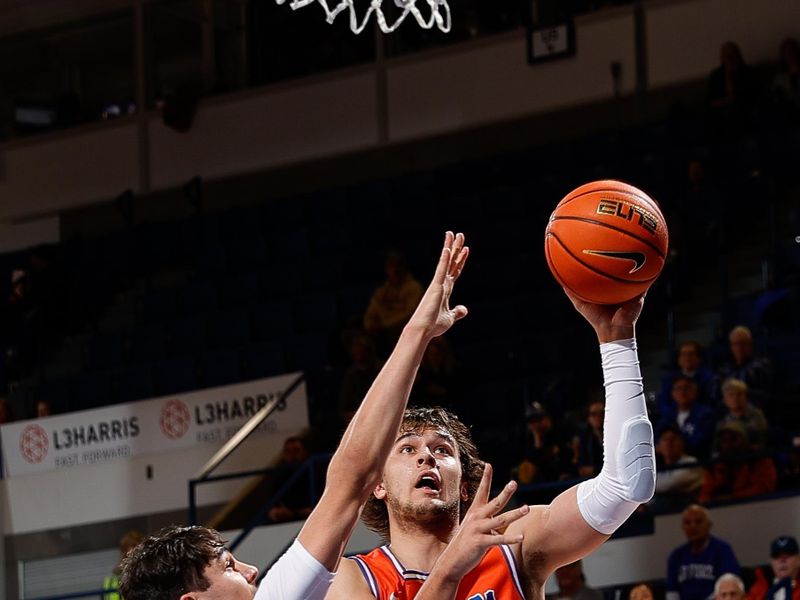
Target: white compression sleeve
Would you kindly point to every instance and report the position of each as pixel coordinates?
(296, 576)
(628, 476)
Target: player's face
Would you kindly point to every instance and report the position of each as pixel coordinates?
(786, 565)
(422, 476)
(230, 579)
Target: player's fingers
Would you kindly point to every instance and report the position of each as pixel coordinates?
(499, 502)
(444, 259)
(458, 264)
(500, 522)
(482, 495)
(458, 244)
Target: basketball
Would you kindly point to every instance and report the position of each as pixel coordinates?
(606, 241)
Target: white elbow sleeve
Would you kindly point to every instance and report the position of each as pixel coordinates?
(628, 477)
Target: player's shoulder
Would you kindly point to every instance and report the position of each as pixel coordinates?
(349, 582)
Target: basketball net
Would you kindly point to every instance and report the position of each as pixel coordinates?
(439, 13)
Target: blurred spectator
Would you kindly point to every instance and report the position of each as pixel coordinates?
(790, 471)
(111, 583)
(731, 92)
(544, 457)
(392, 303)
(5, 411)
(437, 381)
(783, 582)
(641, 591)
(755, 371)
(786, 83)
(734, 395)
(737, 472)
(294, 503)
(693, 567)
(701, 211)
(359, 376)
(680, 477)
(695, 420)
(729, 587)
(43, 409)
(572, 584)
(690, 364)
(590, 441)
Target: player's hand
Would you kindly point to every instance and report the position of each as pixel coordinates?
(433, 314)
(610, 321)
(482, 528)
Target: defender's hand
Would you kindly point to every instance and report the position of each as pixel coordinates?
(433, 314)
(481, 529)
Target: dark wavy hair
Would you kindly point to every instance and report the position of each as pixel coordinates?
(165, 566)
(416, 420)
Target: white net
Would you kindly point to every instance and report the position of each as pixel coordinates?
(437, 14)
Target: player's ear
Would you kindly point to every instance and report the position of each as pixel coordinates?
(189, 596)
(379, 492)
(464, 491)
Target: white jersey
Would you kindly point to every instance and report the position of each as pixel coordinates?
(296, 576)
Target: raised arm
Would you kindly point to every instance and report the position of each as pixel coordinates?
(358, 462)
(583, 517)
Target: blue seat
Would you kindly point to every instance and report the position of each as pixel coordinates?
(187, 335)
(133, 383)
(353, 300)
(159, 305)
(92, 390)
(322, 274)
(280, 280)
(316, 313)
(307, 351)
(222, 367)
(147, 344)
(176, 375)
(292, 243)
(229, 329)
(106, 350)
(210, 260)
(240, 223)
(272, 320)
(263, 360)
(241, 289)
(246, 254)
(198, 296)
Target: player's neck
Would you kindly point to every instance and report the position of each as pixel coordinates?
(417, 546)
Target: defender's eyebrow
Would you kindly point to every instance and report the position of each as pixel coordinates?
(442, 435)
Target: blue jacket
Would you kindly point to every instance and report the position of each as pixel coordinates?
(692, 576)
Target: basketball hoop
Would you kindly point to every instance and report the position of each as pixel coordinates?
(439, 13)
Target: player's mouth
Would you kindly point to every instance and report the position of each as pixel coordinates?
(429, 482)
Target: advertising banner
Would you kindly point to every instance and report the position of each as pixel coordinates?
(119, 432)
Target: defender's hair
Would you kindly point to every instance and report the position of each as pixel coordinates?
(165, 566)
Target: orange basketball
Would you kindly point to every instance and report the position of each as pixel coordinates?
(606, 242)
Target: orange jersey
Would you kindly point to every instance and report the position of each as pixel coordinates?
(495, 578)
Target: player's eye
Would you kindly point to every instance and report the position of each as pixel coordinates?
(406, 449)
(443, 450)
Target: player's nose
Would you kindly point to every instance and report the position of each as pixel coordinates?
(250, 572)
(425, 457)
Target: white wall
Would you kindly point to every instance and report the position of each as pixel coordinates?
(494, 82)
(325, 118)
(67, 170)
